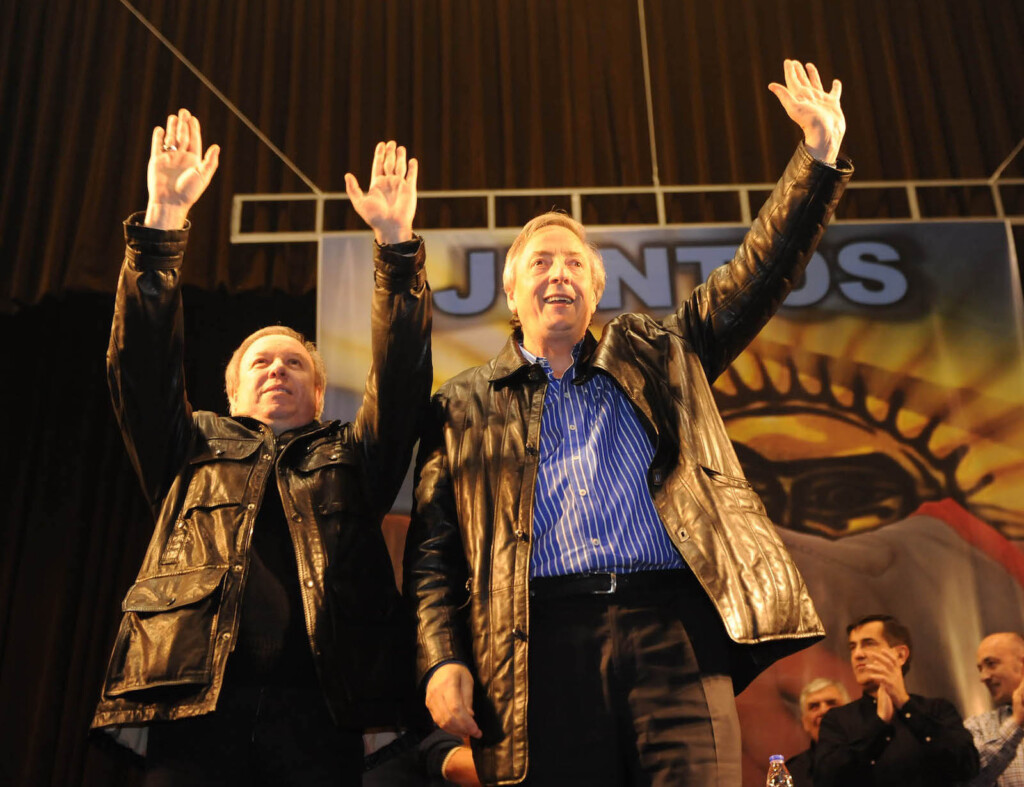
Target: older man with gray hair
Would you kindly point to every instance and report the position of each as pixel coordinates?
(817, 698)
(264, 629)
(594, 578)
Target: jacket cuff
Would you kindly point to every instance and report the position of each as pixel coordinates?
(399, 266)
(149, 247)
(843, 165)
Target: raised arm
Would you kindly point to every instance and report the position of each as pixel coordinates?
(723, 315)
(144, 357)
(398, 384)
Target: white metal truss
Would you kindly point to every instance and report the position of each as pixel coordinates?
(910, 188)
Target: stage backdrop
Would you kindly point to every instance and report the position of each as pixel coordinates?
(879, 415)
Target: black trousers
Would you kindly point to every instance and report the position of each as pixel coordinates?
(268, 735)
(631, 688)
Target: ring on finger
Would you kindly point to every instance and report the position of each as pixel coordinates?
(169, 148)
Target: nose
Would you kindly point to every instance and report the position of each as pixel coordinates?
(558, 271)
(277, 368)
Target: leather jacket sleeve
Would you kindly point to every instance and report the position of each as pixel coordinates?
(435, 561)
(398, 383)
(724, 314)
(144, 357)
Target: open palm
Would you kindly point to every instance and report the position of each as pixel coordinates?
(814, 109)
(389, 204)
(178, 172)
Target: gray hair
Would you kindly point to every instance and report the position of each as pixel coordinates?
(553, 218)
(822, 683)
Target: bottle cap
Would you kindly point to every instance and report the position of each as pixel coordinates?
(776, 758)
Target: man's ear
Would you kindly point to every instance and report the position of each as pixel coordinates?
(511, 301)
(319, 398)
(902, 653)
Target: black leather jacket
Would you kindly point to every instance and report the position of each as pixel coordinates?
(470, 543)
(205, 477)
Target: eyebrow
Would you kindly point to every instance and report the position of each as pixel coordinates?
(287, 355)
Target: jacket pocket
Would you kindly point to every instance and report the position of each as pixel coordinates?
(734, 492)
(220, 473)
(330, 471)
(325, 454)
(168, 632)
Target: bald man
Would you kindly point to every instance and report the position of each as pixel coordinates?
(999, 732)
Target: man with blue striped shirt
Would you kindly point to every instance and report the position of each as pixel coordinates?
(593, 576)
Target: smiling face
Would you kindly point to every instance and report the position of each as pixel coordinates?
(1001, 665)
(277, 384)
(553, 291)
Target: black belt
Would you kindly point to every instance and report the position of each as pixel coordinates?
(607, 584)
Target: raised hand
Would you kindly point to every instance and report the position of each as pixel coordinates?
(389, 204)
(816, 111)
(178, 171)
(884, 705)
(886, 670)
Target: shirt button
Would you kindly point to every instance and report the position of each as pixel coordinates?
(595, 542)
(297, 517)
(309, 583)
(268, 457)
(251, 506)
(927, 738)
(583, 493)
(906, 715)
(572, 427)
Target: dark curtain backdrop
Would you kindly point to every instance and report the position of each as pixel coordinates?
(507, 93)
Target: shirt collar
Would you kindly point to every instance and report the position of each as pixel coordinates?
(531, 358)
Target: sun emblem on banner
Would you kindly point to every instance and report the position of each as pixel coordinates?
(836, 448)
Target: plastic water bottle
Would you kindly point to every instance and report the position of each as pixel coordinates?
(778, 773)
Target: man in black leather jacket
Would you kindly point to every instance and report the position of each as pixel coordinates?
(593, 576)
(264, 629)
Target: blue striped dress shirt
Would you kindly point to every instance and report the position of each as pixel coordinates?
(592, 509)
